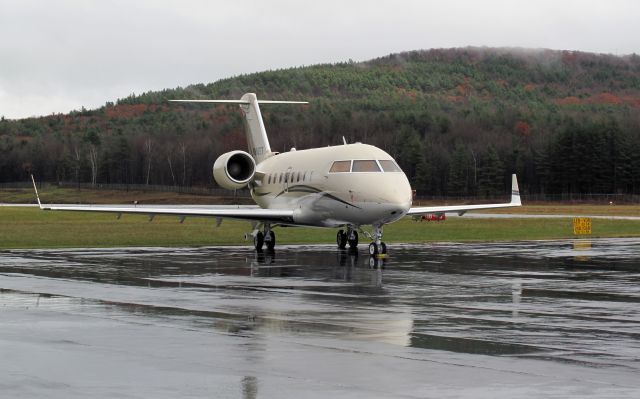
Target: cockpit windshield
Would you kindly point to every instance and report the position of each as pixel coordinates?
(389, 165)
(364, 165)
(340, 166)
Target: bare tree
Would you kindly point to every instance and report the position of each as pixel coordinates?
(169, 156)
(475, 167)
(183, 151)
(148, 148)
(76, 157)
(93, 159)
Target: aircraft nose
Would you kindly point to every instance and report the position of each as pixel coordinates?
(399, 201)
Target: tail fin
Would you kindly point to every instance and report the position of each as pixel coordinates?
(257, 139)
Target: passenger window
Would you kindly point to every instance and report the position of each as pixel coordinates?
(269, 180)
(390, 166)
(280, 180)
(304, 176)
(340, 167)
(365, 166)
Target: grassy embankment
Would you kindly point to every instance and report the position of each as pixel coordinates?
(32, 228)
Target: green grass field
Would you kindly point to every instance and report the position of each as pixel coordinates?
(56, 195)
(33, 228)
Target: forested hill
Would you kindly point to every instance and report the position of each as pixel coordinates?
(459, 121)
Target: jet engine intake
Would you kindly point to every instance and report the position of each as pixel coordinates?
(234, 170)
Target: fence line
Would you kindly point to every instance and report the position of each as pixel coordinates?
(244, 193)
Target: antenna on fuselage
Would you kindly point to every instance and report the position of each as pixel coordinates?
(344, 140)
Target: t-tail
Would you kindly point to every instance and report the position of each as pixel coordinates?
(257, 139)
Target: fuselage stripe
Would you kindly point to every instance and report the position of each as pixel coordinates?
(310, 189)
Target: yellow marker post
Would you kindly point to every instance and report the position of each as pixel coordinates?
(581, 226)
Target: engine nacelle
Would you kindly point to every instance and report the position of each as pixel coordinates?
(234, 169)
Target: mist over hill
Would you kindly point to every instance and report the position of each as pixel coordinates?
(459, 122)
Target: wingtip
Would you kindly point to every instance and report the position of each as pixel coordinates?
(515, 191)
(35, 188)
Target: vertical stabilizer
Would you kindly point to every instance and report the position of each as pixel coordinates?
(257, 139)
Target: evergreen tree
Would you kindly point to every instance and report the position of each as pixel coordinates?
(457, 183)
(491, 174)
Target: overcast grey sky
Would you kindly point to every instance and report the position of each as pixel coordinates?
(56, 56)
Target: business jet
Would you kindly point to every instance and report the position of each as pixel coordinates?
(347, 186)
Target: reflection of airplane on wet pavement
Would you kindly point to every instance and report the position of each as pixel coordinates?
(265, 264)
(346, 186)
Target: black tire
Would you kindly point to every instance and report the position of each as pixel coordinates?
(341, 239)
(354, 243)
(272, 243)
(258, 241)
(383, 248)
(373, 249)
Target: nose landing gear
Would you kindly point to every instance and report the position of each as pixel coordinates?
(377, 249)
(377, 246)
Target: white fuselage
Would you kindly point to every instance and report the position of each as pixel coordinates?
(304, 181)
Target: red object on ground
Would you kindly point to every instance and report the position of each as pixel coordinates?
(435, 217)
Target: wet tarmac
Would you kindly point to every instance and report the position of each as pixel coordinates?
(505, 320)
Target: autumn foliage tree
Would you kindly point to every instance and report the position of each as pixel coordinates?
(459, 122)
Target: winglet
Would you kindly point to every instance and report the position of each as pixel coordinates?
(515, 191)
(36, 189)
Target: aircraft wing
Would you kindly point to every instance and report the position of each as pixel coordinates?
(253, 214)
(461, 209)
(241, 213)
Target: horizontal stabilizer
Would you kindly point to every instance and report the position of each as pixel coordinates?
(257, 139)
(239, 101)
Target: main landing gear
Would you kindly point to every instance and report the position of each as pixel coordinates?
(267, 237)
(350, 237)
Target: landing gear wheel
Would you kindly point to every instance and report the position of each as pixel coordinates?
(373, 249)
(353, 242)
(383, 248)
(271, 244)
(341, 239)
(258, 241)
